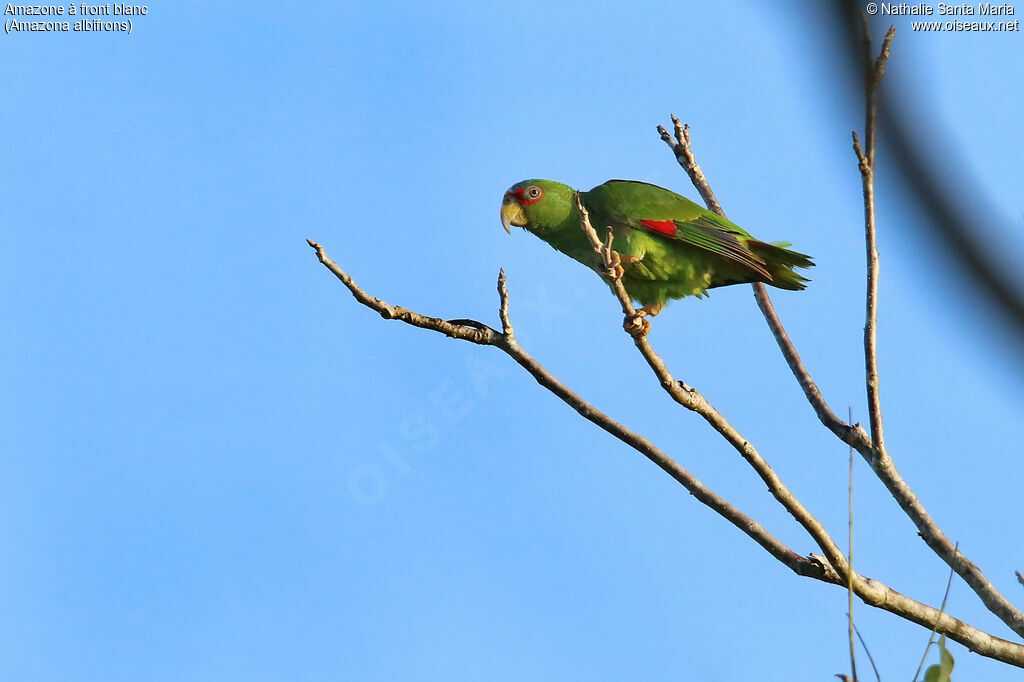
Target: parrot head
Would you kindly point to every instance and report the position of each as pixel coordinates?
(536, 205)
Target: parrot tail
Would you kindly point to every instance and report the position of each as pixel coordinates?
(780, 261)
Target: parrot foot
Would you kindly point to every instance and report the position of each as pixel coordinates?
(615, 270)
(635, 324)
(653, 309)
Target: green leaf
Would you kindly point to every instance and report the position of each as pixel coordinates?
(942, 672)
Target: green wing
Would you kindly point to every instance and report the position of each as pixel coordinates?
(665, 214)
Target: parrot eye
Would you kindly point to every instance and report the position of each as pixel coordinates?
(533, 191)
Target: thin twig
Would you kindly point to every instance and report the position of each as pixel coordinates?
(879, 460)
(466, 330)
(872, 592)
(680, 146)
(993, 600)
(871, 659)
(692, 400)
(931, 637)
(506, 322)
(950, 222)
(849, 574)
(866, 163)
(853, 435)
(507, 343)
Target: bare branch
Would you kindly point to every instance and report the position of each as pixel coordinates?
(883, 464)
(948, 220)
(692, 400)
(467, 330)
(870, 591)
(866, 163)
(852, 435)
(605, 254)
(933, 536)
(684, 155)
(506, 342)
(879, 460)
(506, 323)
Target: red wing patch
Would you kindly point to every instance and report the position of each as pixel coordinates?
(663, 226)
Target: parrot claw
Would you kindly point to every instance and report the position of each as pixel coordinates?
(635, 324)
(615, 269)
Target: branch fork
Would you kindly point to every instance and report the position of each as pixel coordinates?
(831, 566)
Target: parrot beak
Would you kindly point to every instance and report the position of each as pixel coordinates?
(512, 213)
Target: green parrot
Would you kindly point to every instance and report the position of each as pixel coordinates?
(668, 246)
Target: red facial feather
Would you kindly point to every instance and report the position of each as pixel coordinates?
(663, 226)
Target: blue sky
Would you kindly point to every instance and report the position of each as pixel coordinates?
(216, 465)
